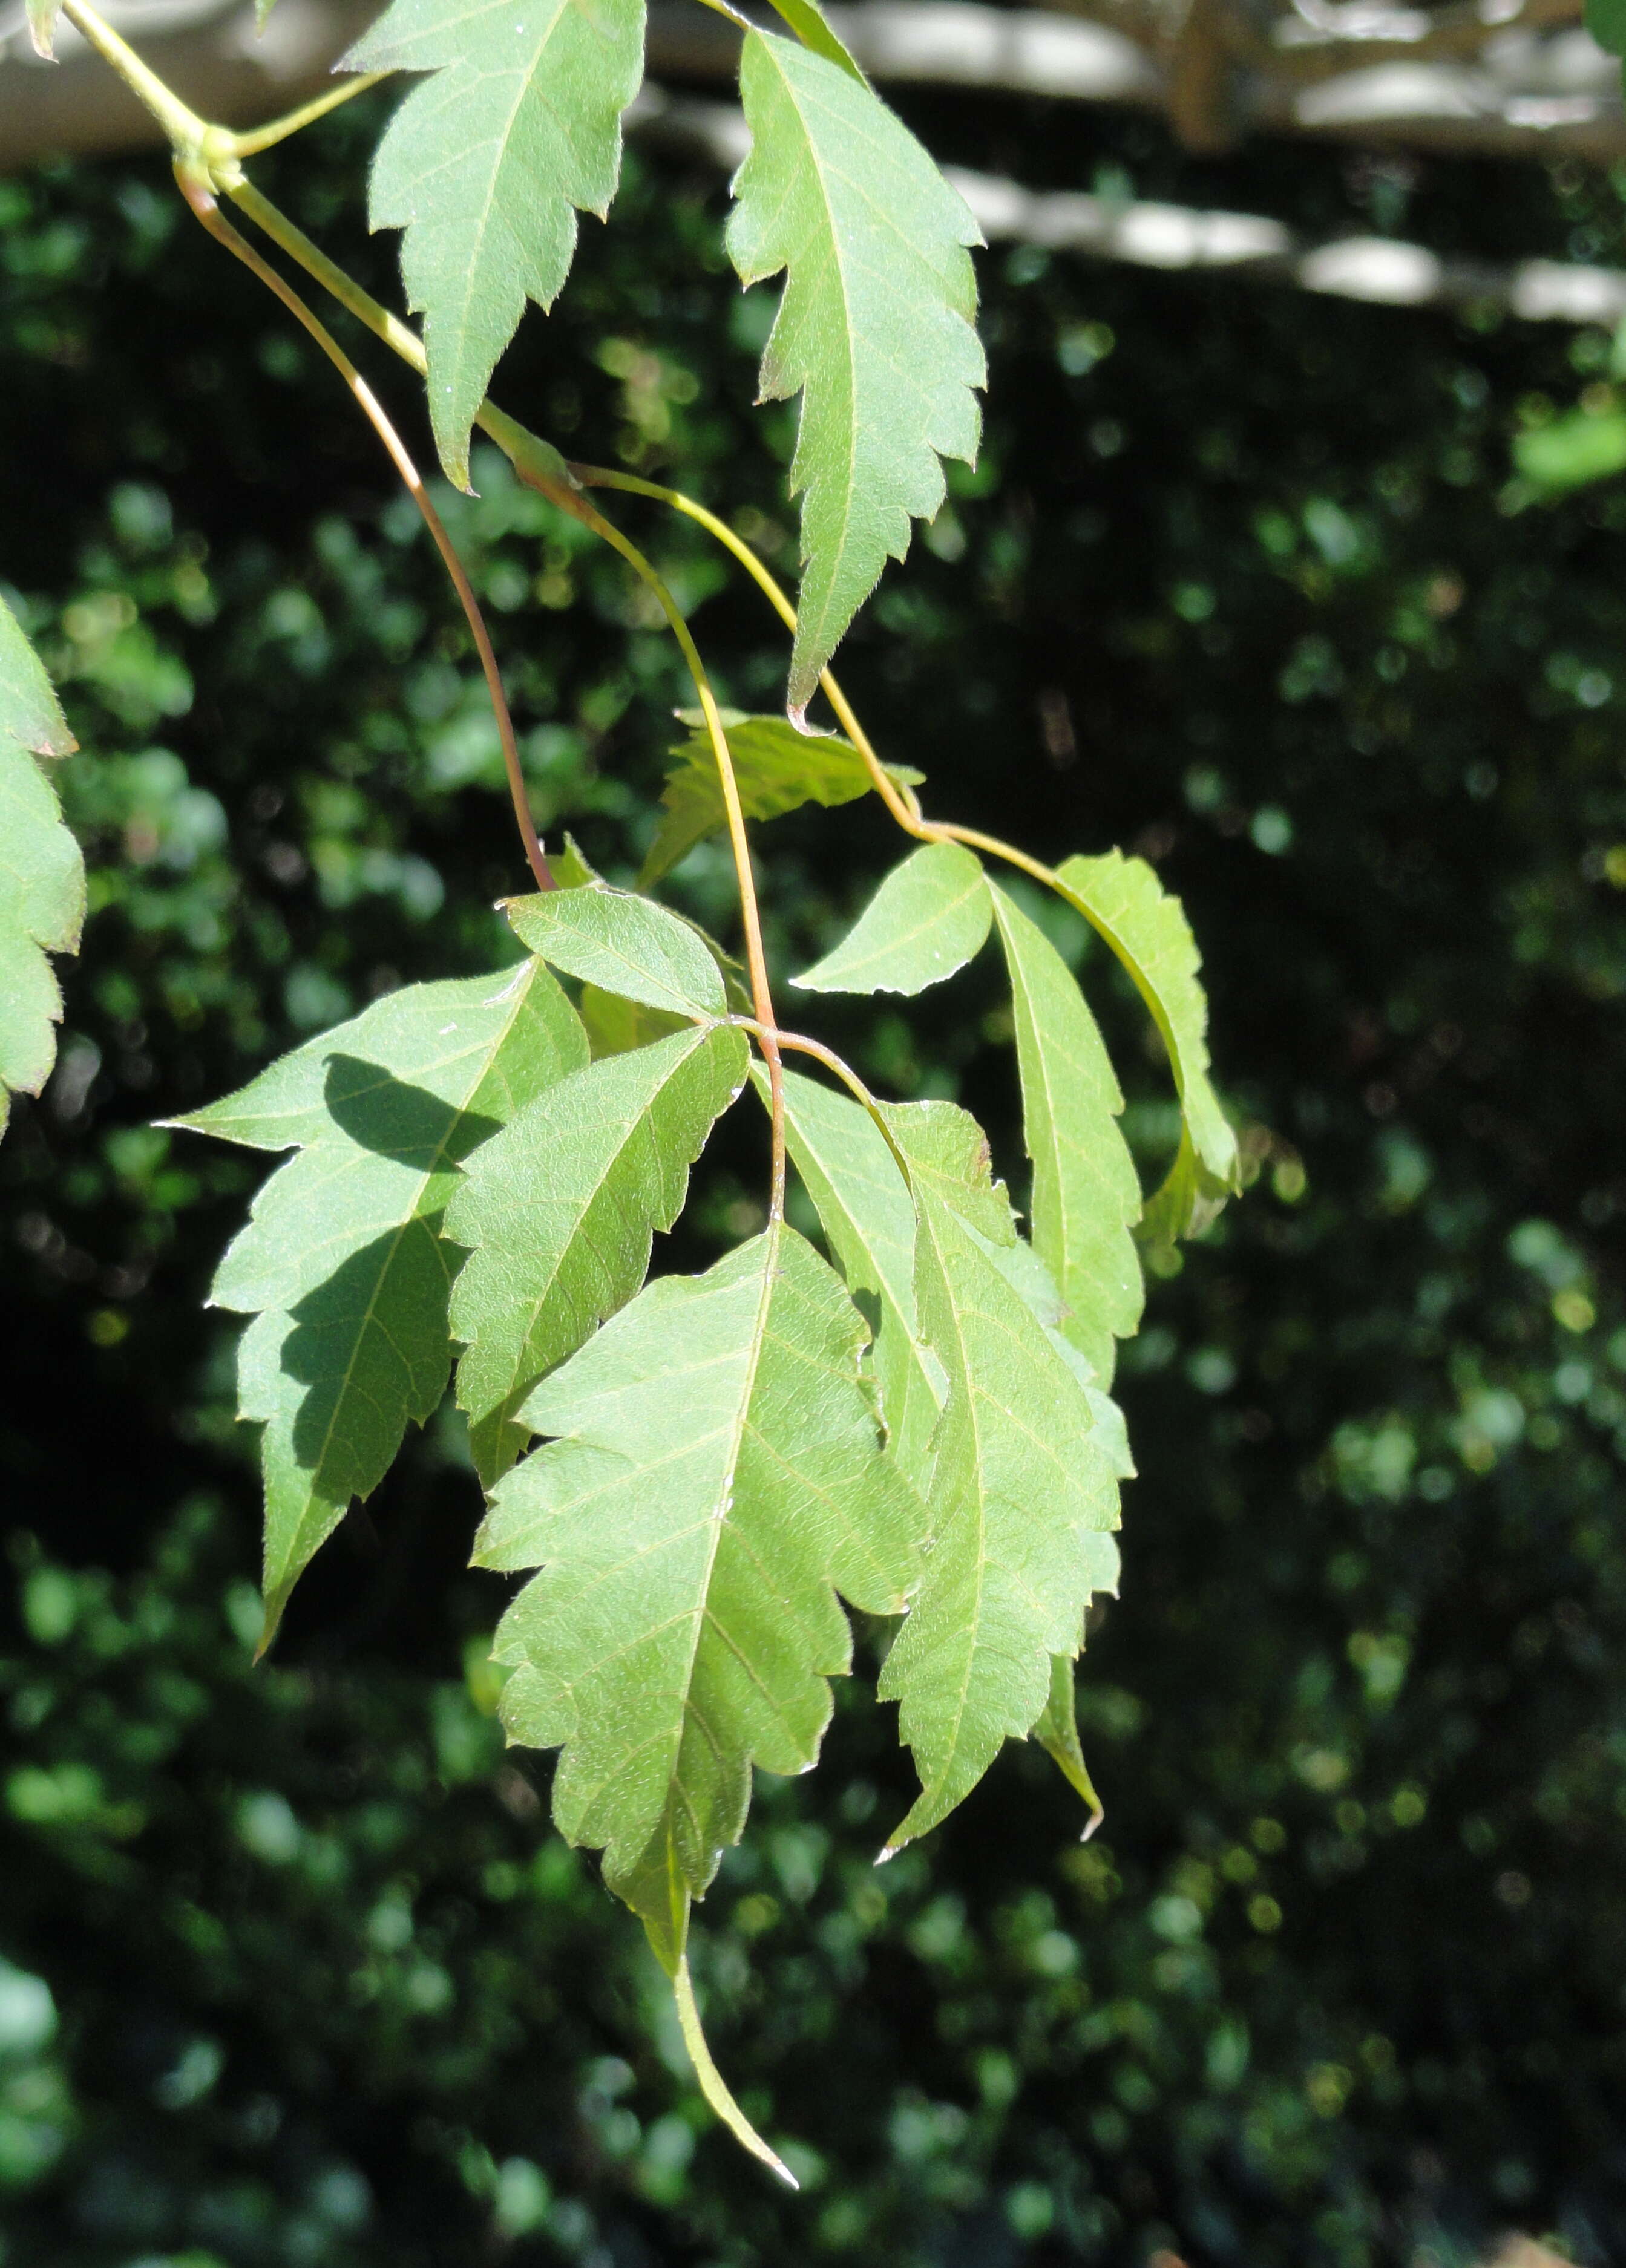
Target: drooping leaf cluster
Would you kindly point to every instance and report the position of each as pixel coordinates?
(699, 1475)
(697, 1471)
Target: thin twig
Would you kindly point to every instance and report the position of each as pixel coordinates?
(196, 188)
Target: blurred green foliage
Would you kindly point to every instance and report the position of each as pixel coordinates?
(295, 1972)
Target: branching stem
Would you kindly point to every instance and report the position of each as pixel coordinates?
(197, 189)
(186, 131)
(227, 145)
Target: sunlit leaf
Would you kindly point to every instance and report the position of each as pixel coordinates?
(927, 918)
(41, 872)
(486, 164)
(875, 330)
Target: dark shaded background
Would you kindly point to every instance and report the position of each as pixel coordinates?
(297, 1972)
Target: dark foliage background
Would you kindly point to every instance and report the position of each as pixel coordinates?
(295, 1972)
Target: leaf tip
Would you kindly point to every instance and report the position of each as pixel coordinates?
(713, 2084)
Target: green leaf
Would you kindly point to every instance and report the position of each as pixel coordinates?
(43, 16)
(41, 872)
(927, 918)
(1057, 1734)
(624, 944)
(875, 330)
(1024, 1480)
(776, 768)
(1124, 901)
(486, 164)
(1569, 450)
(866, 1211)
(813, 30)
(1606, 20)
(614, 1026)
(716, 1480)
(1086, 1194)
(558, 1212)
(342, 1264)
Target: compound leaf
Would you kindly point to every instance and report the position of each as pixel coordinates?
(486, 164)
(867, 1213)
(559, 1211)
(776, 768)
(342, 1265)
(1148, 930)
(875, 330)
(716, 1479)
(624, 944)
(1025, 1478)
(41, 872)
(1086, 1194)
(927, 918)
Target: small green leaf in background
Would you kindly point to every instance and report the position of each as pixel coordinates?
(559, 1211)
(928, 917)
(1572, 451)
(875, 330)
(1086, 1193)
(41, 872)
(614, 1025)
(776, 768)
(716, 1480)
(865, 1209)
(1146, 928)
(1606, 20)
(624, 944)
(342, 1264)
(1024, 1477)
(485, 166)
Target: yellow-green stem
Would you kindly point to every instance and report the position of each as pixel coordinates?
(228, 144)
(195, 188)
(186, 131)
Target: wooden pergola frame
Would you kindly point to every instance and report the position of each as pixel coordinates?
(1490, 77)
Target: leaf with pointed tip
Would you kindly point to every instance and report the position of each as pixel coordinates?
(1086, 1194)
(624, 944)
(875, 330)
(1057, 1734)
(486, 164)
(342, 1264)
(928, 917)
(43, 16)
(41, 872)
(868, 1216)
(812, 28)
(559, 1211)
(1124, 901)
(776, 768)
(1024, 1477)
(714, 1482)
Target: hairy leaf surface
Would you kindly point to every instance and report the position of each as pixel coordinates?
(875, 330)
(342, 1264)
(1086, 1193)
(486, 164)
(559, 1211)
(41, 872)
(776, 768)
(624, 944)
(866, 1212)
(716, 1481)
(1148, 930)
(1024, 1479)
(927, 918)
